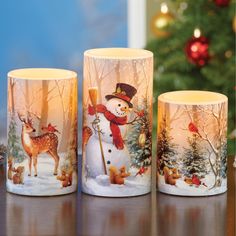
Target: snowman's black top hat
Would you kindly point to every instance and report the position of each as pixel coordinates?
(124, 92)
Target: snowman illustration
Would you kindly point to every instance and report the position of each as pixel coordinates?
(108, 123)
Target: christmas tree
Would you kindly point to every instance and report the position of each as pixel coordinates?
(166, 150)
(194, 159)
(3, 152)
(139, 139)
(223, 169)
(15, 150)
(194, 49)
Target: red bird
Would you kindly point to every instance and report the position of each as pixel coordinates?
(50, 128)
(140, 113)
(141, 171)
(197, 181)
(192, 127)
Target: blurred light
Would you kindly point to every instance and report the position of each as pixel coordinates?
(161, 23)
(228, 54)
(197, 33)
(164, 8)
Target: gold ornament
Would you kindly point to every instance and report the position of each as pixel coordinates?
(142, 139)
(161, 21)
(228, 54)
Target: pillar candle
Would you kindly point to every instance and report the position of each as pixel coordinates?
(192, 143)
(42, 132)
(117, 124)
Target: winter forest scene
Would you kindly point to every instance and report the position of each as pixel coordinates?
(42, 136)
(117, 126)
(192, 148)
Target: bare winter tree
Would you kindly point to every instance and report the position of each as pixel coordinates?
(101, 69)
(217, 142)
(11, 89)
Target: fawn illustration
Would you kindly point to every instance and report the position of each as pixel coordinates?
(33, 146)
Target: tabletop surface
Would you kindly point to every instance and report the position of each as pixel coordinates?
(152, 214)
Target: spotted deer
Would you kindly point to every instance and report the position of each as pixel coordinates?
(33, 146)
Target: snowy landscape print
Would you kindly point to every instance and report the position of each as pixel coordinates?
(42, 136)
(117, 124)
(192, 148)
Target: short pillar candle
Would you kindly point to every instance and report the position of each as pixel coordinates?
(42, 132)
(117, 124)
(192, 143)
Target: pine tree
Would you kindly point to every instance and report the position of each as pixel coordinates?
(14, 146)
(173, 71)
(139, 140)
(223, 169)
(194, 159)
(3, 150)
(166, 150)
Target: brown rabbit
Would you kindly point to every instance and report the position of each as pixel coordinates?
(18, 177)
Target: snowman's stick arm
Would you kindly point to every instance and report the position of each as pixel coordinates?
(133, 121)
(100, 144)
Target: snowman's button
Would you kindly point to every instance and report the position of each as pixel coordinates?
(108, 162)
(110, 135)
(109, 150)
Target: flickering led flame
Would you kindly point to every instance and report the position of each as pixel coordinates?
(197, 33)
(164, 8)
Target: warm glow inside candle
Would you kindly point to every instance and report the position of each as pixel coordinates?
(118, 53)
(42, 74)
(192, 97)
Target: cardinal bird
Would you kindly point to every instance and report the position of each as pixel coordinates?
(141, 171)
(192, 128)
(50, 129)
(195, 180)
(140, 113)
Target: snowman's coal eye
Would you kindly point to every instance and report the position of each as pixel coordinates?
(119, 105)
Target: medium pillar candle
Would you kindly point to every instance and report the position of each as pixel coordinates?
(117, 125)
(42, 132)
(192, 143)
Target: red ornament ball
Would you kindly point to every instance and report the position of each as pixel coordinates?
(197, 50)
(222, 3)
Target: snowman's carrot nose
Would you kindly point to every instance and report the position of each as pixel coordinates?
(124, 109)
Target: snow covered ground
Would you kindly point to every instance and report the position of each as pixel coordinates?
(133, 186)
(184, 189)
(45, 184)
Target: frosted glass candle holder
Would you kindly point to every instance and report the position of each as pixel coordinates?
(117, 124)
(42, 132)
(192, 143)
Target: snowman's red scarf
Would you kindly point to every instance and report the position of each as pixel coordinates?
(114, 122)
